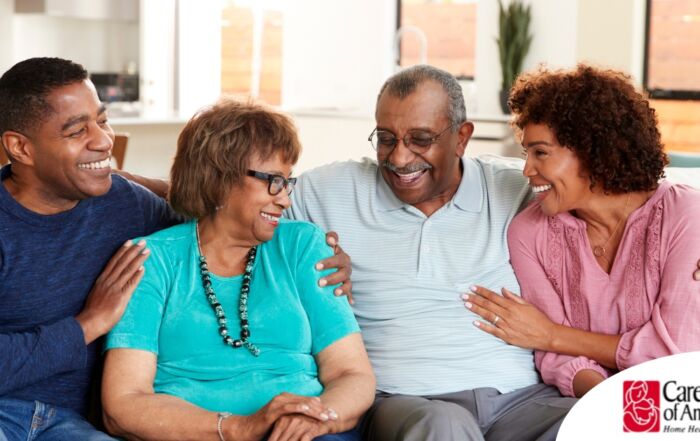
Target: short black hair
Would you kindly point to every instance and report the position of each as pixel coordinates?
(24, 88)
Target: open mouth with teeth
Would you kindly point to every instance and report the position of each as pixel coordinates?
(540, 188)
(407, 179)
(97, 165)
(541, 191)
(271, 218)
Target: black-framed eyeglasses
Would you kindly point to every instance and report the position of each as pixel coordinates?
(416, 140)
(275, 183)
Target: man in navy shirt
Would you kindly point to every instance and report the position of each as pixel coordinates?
(63, 215)
(67, 266)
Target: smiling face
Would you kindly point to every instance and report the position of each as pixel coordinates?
(556, 176)
(427, 180)
(254, 210)
(70, 151)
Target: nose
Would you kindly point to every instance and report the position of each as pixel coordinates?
(529, 170)
(102, 137)
(283, 200)
(400, 155)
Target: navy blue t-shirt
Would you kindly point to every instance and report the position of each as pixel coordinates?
(48, 265)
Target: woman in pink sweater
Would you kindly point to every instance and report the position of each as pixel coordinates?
(606, 252)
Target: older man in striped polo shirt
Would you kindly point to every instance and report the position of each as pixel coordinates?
(422, 224)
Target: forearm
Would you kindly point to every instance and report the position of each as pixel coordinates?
(349, 396)
(586, 380)
(575, 342)
(148, 416)
(29, 357)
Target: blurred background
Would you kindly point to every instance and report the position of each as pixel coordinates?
(155, 62)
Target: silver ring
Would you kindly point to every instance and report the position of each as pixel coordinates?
(496, 320)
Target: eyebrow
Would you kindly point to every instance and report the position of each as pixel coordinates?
(81, 118)
(412, 129)
(537, 143)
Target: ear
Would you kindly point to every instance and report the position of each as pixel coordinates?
(18, 147)
(465, 133)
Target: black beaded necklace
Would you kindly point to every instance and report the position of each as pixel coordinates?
(242, 302)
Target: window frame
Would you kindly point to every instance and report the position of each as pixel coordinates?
(657, 93)
(398, 60)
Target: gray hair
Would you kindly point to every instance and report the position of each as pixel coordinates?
(405, 82)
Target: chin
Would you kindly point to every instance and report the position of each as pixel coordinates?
(101, 188)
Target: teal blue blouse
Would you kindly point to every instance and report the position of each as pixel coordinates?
(291, 320)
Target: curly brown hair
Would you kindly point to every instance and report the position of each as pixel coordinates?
(600, 116)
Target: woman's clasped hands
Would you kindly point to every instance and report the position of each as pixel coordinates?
(287, 417)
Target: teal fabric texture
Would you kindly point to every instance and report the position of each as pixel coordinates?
(291, 320)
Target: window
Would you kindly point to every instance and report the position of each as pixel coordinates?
(251, 49)
(672, 61)
(442, 32)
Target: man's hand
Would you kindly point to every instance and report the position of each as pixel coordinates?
(111, 292)
(341, 262)
(298, 428)
(255, 426)
(511, 318)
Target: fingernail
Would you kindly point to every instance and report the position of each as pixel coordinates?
(319, 266)
(473, 288)
(145, 251)
(127, 243)
(465, 296)
(477, 324)
(141, 243)
(324, 417)
(304, 407)
(468, 305)
(332, 414)
(322, 282)
(338, 291)
(141, 268)
(332, 241)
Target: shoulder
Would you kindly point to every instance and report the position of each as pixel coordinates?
(527, 223)
(681, 205)
(343, 172)
(170, 241)
(297, 230)
(122, 187)
(504, 180)
(682, 196)
(502, 167)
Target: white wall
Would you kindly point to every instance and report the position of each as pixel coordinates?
(336, 53)
(611, 34)
(99, 45)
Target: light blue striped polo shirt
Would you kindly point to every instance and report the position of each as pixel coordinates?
(409, 271)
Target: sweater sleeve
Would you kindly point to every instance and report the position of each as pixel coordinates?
(526, 233)
(29, 357)
(673, 326)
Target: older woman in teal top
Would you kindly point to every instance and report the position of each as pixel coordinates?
(228, 336)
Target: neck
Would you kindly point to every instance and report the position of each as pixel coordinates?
(222, 245)
(605, 212)
(31, 195)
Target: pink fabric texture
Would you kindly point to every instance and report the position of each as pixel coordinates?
(649, 297)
